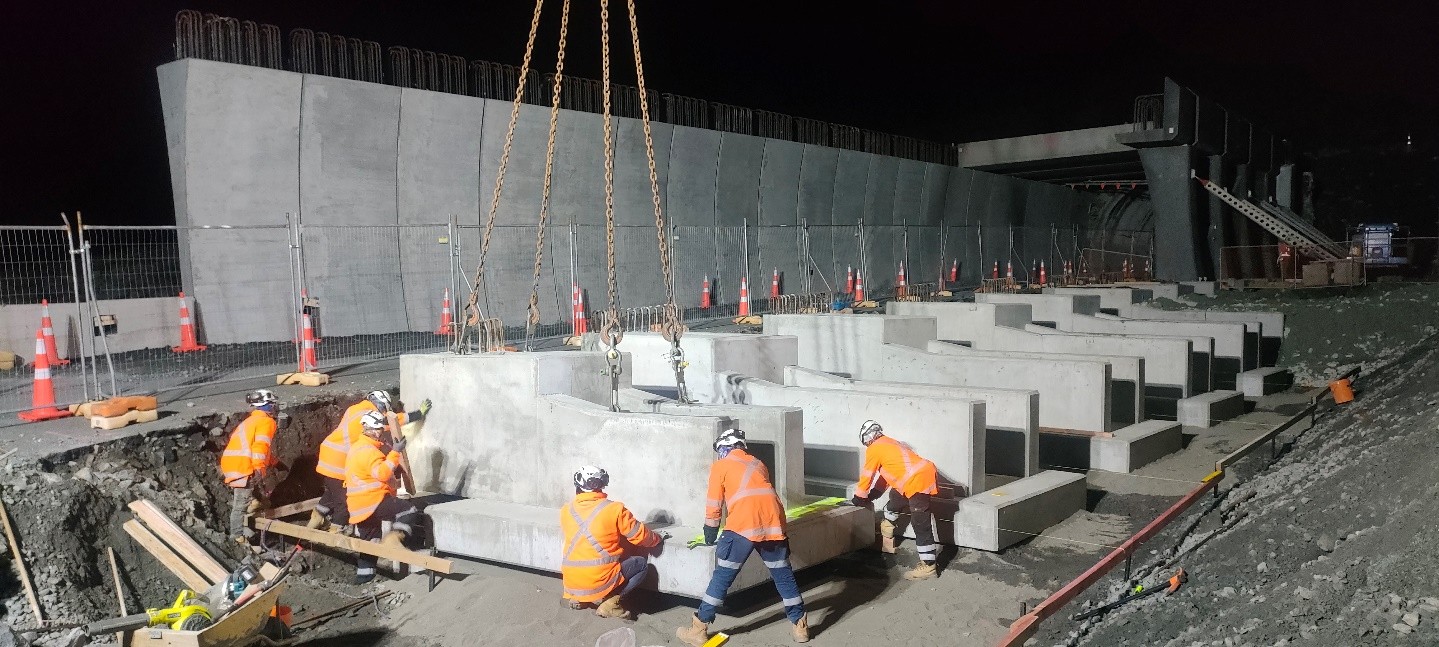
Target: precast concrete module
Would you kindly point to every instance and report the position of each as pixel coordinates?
(508, 430)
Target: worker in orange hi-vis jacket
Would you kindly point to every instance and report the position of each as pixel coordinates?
(754, 521)
(604, 554)
(247, 457)
(911, 480)
(332, 513)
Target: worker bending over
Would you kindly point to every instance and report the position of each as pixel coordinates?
(754, 521)
(595, 566)
(370, 490)
(246, 459)
(911, 479)
(332, 513)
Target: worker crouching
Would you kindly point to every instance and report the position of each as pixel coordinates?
(246, 459)
(911, 480)
(370, 490)
(332, 513)
(596, 566)
(739, 485)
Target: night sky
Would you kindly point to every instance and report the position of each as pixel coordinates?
(82, 111)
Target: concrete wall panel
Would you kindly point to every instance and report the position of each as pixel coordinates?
(779, 182)
(879, 191)
(694, 165)
(817, 184)
(349, 134)
(634, 199)
(851, 179)
(909, 187)
(525, 170)
(737, 192)
(933, 193)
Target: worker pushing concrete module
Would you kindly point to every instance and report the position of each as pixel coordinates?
(247, 458)
(599, 560)
(370, 490)
(911, 480)
(754, 522)
(332, 513)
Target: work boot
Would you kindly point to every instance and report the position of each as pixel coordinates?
(394, 539)
(886, 528)
(924, 571)
(611, 608)
(801, 629)
(318, 521)
(694, 635)
(577, 605)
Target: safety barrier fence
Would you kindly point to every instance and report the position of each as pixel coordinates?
(1025, 627)
(221, 38)
(376, 291)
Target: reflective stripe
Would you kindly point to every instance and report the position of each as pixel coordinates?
(365, 570)
(910, 467)
(363, 487)
(751, 466)
(724, 563)
(328, 466)
(712, 503)
(400, 525)
(582, 529)
(929, 548)
(639, 528)
(42, 373)
(753, 533)
(792, 602)
(259, 438)
(236, 452)
(613, 581)
(711, 600)
(890, 515)
(783, 563)
(232, 475)
(363, 513)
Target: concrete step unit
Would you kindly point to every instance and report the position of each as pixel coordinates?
(1208, 409)
(1264, 381)
(1001, 517)
(1135, 446)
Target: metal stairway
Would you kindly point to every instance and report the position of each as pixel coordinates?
(1284, 224)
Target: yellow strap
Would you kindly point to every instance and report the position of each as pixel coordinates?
(793, 513)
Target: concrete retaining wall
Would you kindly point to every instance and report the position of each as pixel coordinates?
(1224, 342)
(139, 324)
(850, 344)
(709, 355)
(947, 431)
(1126, 374)
(1072, 394)
(1047, 309)
(249, 145)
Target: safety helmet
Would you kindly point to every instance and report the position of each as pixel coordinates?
(373, 422)
(591, 479)
(381, 400)
(730, 438)
(869, 431)
(261, 397)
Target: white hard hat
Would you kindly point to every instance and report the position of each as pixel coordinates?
(373, 422)
(869, 431)
(590, 478)
(730, 438)
(381, 400)
(261, 397)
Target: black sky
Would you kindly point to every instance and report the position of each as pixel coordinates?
(83, 127)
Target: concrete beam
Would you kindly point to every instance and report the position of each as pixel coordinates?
(1082, 144)
(850, 344)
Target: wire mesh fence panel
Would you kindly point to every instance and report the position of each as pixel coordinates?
(34, 265)
(135, 262)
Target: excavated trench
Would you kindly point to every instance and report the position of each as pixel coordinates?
(67, 508)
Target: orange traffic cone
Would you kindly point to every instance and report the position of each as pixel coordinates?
(1043, 274)
(447, 318)
(743, 296)
(187, 330)
(901, 287)
(1148, 268)
(49, 329)
(580, 322)
(849, 280)
(954, 272)
(706, 301)
(1009, 269)
(307, 346)
(858, 288)
(774, 285)
(43, 396)
(994, 274)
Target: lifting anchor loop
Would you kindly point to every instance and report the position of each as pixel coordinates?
(671, 329)
(611, 333)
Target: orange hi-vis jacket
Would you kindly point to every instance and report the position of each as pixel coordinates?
(248, 452)
(593, 525)
(336, 446)
(741, 483)
(900, 467)
(369, 476)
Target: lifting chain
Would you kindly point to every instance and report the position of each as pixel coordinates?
(473, 314)
(534, 309)
(612, 332)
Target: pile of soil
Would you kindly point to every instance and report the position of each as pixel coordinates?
(1333, 543)
(67, 508)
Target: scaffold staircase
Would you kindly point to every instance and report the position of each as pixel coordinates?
(1283, 223)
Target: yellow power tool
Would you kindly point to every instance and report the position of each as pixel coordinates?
(189, 613)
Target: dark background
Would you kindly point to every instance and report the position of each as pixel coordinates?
(1347, 86)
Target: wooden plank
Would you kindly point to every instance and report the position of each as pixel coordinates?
(406, 476)
(292, 509)
(167, 557)
(119, 592)
(20, 564)
(354, 545)
(179, 540)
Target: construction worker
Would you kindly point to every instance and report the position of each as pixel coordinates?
(594, 564)
(246, 459)
(370, 489)
(911, 480)
(754, 522)
(332, 513)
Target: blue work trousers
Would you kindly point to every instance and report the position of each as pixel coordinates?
(731, 551)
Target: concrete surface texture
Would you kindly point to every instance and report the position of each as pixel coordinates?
(850, 344)
(1073, 395)
(1207, 409)
(947, 431)
(1135, 446)
(139, 323)
(709, 355)
(1111, 298)
(1224, 343)
(1011, 416)
(1047, 308)
(1126, 374)
(354, 161)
